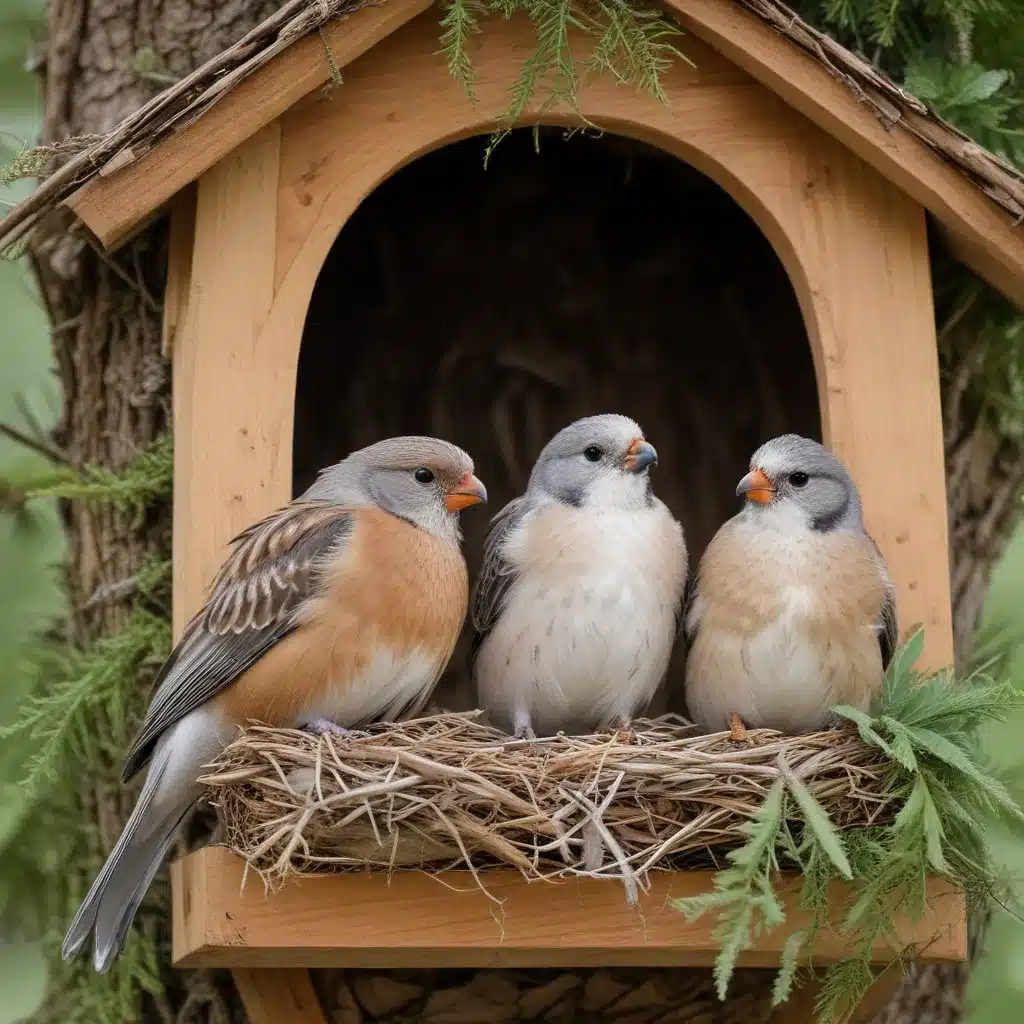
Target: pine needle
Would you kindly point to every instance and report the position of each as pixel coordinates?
(83, 707)
(76, 687)
(146, 480)
(634, 45)
(743, 895)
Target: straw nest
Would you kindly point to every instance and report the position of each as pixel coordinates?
(449, 792)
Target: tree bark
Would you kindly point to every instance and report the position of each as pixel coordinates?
(104, 59)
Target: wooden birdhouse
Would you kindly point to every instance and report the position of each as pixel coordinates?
(750, 257)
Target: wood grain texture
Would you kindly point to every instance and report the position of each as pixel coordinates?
(414, 920)
(233, 398)
(985, 237)
(283, 996)
(853, 244)
(179, 267)
(116, 204)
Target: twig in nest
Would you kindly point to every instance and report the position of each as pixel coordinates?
(447, 791)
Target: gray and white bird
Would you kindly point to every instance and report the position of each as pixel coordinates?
(338, 609)
(578, 600)
(792, 609)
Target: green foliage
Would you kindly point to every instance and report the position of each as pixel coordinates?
(28, 162)
(84, 706)
(632, 44)
(965, 59)
(144, 481)
(744, 893)
(78, 688)
(927, 726)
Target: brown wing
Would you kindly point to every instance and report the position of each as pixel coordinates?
(273, 569)
(497, 575)
(886, 627)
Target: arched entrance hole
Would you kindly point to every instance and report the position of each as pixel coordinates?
(492, 307)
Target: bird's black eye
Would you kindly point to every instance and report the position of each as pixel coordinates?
(424, 476)
(798, 479)
(593, 453)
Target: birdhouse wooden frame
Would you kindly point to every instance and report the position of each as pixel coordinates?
(259, 189)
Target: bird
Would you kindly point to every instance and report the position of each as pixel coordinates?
(791, 610)
(336, 610)
(577, 603)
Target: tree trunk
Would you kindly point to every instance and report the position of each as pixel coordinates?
(104, 59)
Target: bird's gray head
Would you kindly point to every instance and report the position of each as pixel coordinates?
(793, 479)
(423, 480)
(600, 460)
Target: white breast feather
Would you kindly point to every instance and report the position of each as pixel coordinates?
(389, 683)
(587, 632)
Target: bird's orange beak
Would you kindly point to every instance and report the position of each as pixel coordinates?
(640, 455)
(468, 491)
(757, 487)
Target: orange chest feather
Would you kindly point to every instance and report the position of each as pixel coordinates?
(396, 596)
(402, 584)
(833, 581)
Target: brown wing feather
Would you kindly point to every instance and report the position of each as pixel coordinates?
(273, 569)
(497, 576)
(887, 626)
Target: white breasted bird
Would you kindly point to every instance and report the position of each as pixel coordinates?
(578, 601)
(791, 610)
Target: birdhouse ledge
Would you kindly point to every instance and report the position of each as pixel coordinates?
(441, 842)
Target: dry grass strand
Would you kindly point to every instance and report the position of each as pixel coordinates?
(450, 792)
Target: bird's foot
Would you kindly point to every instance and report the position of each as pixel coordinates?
(737, 730)
(620, 730)
(324, 726)
(522, 729)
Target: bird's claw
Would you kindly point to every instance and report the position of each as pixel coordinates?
(522, 729)
(737, 730)
(324, 726)
(621, 731)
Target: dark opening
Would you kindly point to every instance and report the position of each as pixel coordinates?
(492, 307)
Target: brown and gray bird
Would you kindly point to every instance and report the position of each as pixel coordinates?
(341, 608)
(791, 610)
(579, 595)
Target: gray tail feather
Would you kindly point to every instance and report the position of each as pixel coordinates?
(110, 906)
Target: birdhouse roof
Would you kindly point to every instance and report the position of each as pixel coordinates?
(119, 182)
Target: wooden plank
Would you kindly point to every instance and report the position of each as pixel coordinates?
(284, 996)
(179, 267)
(867, 294)
(414, 920)
(986, 238)
(114, 205)
(233, 398)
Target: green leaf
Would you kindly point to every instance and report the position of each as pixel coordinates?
(985, 85)
(926, 817)
(818, 821)
(900, 745)
(789, 962)
(956, 758)
(865, 726)
(905, 658)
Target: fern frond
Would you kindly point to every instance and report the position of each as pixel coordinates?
(926, 725)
